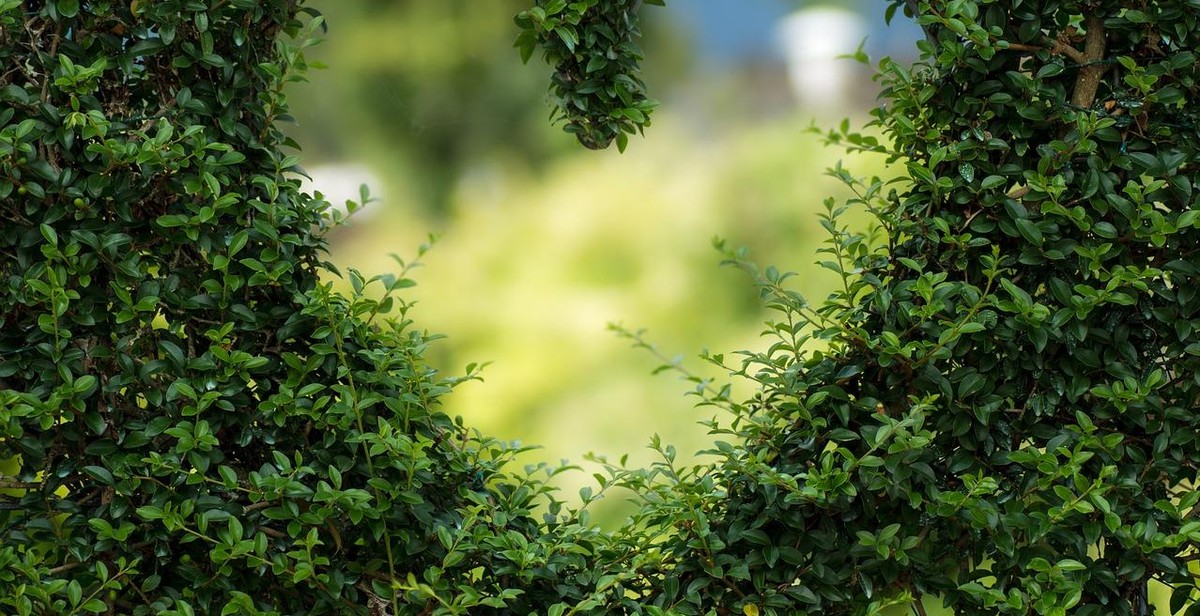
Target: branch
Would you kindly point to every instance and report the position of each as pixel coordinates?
(19, 485)
(919, 606)
(1055, 46)
(65, 568)
(1088, 80)
(262, 504)
(271, 532)
(1059, 47)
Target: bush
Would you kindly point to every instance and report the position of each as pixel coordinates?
(1000, 414)
(998, 409)
(191, 420)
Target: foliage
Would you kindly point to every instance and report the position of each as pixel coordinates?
(997, 409)
(592, 45)
(191, 420)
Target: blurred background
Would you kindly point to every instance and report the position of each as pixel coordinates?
(543, 243)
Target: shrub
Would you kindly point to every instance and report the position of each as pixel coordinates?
(998, 409)
(191, 420)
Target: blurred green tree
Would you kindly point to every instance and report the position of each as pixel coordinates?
(421, 92)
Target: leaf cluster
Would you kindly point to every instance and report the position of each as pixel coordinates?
(592, 45)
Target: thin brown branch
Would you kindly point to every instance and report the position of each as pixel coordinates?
(53, 54)
(1055, 47)
(1088, 80)
(19, 485)
(1024, 47)
(271, 532)
(919, 606)
(262, 504)
(65, 568)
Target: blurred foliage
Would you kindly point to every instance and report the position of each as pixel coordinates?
(539, 254)
(428, 92)
(529, 271)
(422, 89)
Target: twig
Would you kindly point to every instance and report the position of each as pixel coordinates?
(919, 606)
(271, 532)
(262, 504)
(19, 485)
(1055, 47)
(64, 568)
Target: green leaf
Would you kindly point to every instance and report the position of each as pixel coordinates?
(921, 173)
(1029, 230)
(992, 181)
(970, 328)
(100, 474)
(1105, 230)
(172, 220)
(238, 242)
(1068, 564)
(228, 476)
(95, 606)
(74, 592)
(84, 385)
(49, 234)
(596, 63)
(568, 36)
(95, 422)
(67, 8)
(443, 535)
(149, 512)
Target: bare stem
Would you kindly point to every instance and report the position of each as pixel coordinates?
(1088, 80)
